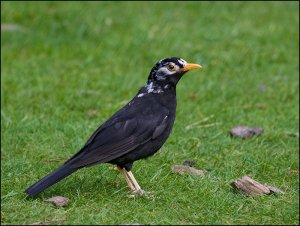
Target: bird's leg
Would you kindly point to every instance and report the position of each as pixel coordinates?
(135, 183)
(130, 185)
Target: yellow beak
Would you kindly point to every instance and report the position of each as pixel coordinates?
(191, 67)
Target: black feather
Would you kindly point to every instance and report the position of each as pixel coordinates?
(50, 179)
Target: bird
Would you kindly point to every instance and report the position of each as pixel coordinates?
(136, 131)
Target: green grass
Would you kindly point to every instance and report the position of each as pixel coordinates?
(76, 63)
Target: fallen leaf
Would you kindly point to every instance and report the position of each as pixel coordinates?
(248, 186)
(245, 131)
(180, 169)
(58, 201)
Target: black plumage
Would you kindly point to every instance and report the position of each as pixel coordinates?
(136, 131)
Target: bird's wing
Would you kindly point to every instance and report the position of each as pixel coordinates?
(126, 130)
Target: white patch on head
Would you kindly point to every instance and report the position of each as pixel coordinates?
(164, 71)
(183, 62)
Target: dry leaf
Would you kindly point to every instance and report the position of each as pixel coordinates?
(245, 131)
(58, 201)
(250, 187)
(180, 169)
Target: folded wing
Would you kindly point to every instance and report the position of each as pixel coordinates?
(122, 134)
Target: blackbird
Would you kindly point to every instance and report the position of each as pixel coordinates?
(136, 131)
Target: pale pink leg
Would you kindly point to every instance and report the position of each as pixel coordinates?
(135, 183)
(130, 185)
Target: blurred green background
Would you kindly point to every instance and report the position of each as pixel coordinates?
(67, 66)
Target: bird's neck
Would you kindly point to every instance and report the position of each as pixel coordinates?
(158, 87)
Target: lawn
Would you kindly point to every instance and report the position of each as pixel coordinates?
(68, 66)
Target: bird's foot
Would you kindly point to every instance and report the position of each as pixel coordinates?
(145, 194)
(135, 193)
(141, 192)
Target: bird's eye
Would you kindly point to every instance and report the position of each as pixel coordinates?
(171, 67)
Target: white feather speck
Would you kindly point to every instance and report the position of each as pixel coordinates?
(183, 62)
(152, 88)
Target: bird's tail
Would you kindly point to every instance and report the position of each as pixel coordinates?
(50, 179)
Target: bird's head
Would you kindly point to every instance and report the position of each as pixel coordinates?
(170, 70)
